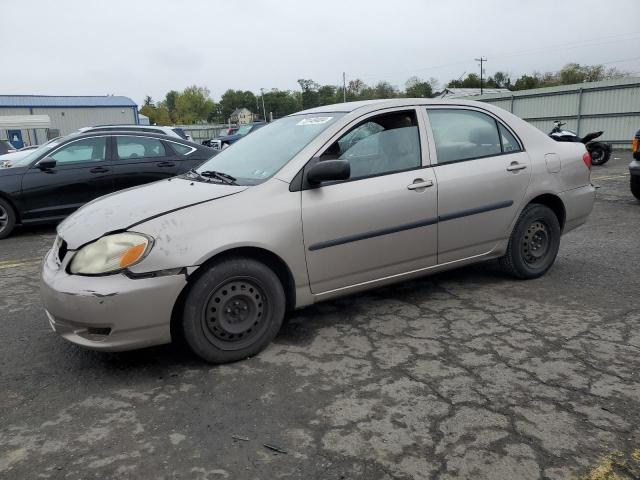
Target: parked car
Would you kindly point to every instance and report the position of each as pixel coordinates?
(294, 214)
(170, 131)
(6, 147)
(634, 166)
(243, 130)
(49, 183)
(213, 141)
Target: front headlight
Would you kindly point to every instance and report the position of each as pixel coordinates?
(111, 254)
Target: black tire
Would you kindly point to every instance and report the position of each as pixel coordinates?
(635, 186)
(534, 243)
(233, 310)
(7, 218)
(598, 155)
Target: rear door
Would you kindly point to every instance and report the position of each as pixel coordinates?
(82, 173)
(138, 159)
(482, 173)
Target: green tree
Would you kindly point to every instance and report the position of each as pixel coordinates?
(327, 95)
(193, 105)
(148, 101)
(415, 87)
(232, 99)
(170, 101)
(310, 97)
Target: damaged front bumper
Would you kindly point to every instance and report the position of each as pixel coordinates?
(112, 312)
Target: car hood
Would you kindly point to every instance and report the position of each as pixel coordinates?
(125, 209)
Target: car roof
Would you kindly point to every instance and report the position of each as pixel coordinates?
(131, 133)
(366, 105)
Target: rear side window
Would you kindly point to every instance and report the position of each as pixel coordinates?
(464, 134)
(139, 147)
(87, 150)
(181, 149)
(509, 142)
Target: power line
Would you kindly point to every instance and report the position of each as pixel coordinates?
(564, 46)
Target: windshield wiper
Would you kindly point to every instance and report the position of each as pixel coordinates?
(223, 177)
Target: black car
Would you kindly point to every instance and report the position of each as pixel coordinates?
(55, 179)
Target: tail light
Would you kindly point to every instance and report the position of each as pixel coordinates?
(634, 145)
(586, 158)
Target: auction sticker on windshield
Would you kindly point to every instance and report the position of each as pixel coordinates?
(314, 121)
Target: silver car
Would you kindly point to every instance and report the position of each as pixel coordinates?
(319, 204)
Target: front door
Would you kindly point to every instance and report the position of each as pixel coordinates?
(383, 220)
(81, 174)
(482, 174)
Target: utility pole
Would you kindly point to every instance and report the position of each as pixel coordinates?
(264, 110)
(344, 87)
(481, 60)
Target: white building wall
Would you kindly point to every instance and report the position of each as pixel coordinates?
(70, 119)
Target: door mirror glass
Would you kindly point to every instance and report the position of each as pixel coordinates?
(329, 170)
(47, 163)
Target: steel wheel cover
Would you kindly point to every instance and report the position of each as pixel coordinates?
(235, 314)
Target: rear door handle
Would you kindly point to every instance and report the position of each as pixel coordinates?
(166, 164)
(419, 183)
(99, 170)
(515, 166)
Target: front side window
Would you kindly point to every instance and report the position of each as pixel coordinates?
(87, 150)
(463, 134)
(261, 154)
(384, 144)
(139, 147)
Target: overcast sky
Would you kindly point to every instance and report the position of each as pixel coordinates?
(147, 47)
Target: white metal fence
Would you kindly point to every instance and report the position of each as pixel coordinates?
(611, 105)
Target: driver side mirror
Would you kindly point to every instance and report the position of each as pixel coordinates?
(329, 170)
(47, 163)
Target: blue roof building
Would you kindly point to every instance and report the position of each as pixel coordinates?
(66, 115)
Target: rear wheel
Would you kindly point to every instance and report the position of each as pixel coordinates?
(233, 311)
(635, 186)
(598, 155)
(534, 243)
(7, 218)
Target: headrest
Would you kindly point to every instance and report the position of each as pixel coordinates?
(483, 136)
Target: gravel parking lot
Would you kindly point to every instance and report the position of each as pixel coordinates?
(468, 374)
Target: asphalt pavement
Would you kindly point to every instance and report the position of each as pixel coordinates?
(467, 374)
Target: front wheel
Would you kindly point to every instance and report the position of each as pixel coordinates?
(7, 218)
(635, 186)
(534, 243)
(233, 310)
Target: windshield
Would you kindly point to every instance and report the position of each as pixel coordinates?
(243, 130)
(33, 154)
(259, 156)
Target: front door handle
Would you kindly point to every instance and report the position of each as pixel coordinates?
(515, 166)
(99, 170)
(166, 164)
(418, 183)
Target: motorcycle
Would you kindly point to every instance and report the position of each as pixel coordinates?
(599, 152)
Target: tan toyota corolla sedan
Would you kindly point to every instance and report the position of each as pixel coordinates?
(319, 204)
